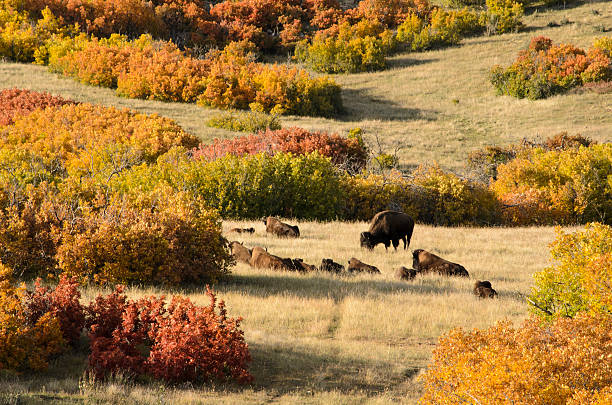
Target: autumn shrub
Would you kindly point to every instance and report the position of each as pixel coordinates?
(348, 49)
(224, 79)
(557, 186)
(17, 102)
(438, 29)
(581, 276)
(558, 363)
(160, 237)
(429, 195)
(503, 16)
(347, 153)
(21, 37)
(240, 121)
(175, 341)
(26, 342)
(605, 44)
(390, 13)
(546, 69)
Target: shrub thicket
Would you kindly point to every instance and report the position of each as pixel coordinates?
(348, 153)
(545, 69)
(17, 102)
(557, 186)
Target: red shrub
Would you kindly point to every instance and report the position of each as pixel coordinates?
(184, 342)
(62, 303)
(389, 12)
(18, 102)
(346, 152)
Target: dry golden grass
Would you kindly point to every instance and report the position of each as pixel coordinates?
(320, 338)
(436, 106)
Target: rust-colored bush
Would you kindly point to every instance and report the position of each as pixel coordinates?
(344, 152)
(18, 102)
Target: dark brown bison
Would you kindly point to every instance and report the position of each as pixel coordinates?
(425, 262)
(357, 266)
(278, 228)
(331, 266)
(299, 265)
(241, 253)
(388, 227)
(404, 273)
(483, 289)
(242, 230)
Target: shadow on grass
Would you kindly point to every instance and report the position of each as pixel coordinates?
(406, 61)
(360, 105)
(317, 287)
(284, 369)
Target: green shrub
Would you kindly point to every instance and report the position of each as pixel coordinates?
(239, 121)
(580, 279)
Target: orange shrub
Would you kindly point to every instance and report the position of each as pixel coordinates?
(17, 102)
(391, 13)
(532, 364)
(545, 69)
(345, 152)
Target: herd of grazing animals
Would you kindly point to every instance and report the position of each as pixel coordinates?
(386, 227)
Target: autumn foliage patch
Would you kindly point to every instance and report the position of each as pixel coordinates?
(17, 102)
(545, 69)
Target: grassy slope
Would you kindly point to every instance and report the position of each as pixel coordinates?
(318, 338)
(436, 106)
(322, 339)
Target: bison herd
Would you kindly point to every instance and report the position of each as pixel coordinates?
(387, 227)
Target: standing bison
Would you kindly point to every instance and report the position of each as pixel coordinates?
(388, 227)
(282, 229)
(425, 262)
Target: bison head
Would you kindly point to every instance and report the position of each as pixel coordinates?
(367, 240)
(415, 258)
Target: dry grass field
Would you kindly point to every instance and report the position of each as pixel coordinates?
(435, 106)
(320, 338)
(324, 339)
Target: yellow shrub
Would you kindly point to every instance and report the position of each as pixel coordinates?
(533, 364)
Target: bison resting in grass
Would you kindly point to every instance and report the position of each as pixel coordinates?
(279, 228)
(388, 227)
(262, 259)
(404, 273)
(242, 230)
(241, 253)
(425, 262)
(331, 266)
(357, 266)
(483, 289)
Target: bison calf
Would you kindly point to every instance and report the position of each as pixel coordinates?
(241, 253)
(425, 262)
(278, 228)
(388, 227)
(357, 266)
(331, 266)
(483, 289)
(242, 230)
(404, 273)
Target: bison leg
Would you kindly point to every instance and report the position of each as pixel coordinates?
(395, 244)
(404, 240)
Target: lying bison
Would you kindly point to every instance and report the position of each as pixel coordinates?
(357, 266)
(262, 259)
(425, 262)
(404, 273)
(282, 229)
(331, 266)
(388, 227)
(241, 253)
(242, 230)
(483, 289)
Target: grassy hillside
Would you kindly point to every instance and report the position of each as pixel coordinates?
(319, 338)
(434, 106)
